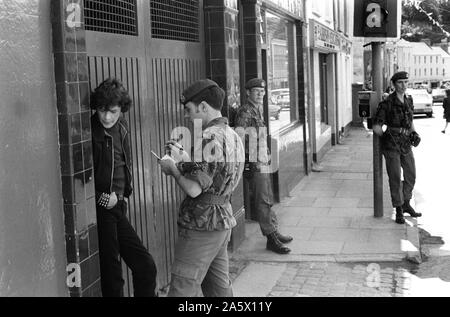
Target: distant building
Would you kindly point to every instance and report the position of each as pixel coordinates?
(427, 66)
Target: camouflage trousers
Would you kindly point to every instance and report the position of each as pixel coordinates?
(397, 163)
(261, 200)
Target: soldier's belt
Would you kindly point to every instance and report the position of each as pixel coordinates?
(212, 199)
(398, 131)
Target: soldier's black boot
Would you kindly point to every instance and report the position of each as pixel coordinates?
(273, 244)
(409, 210)
(283, 239)
(399, 218)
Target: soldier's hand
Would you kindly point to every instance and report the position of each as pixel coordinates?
(168, 166)
(176, 151)
(415, 139)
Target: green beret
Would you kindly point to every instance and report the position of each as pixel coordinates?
(255, 83)
(399, 75)
(195, 89)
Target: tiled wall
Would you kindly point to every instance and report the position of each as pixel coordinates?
(222, 56)
(252, 39)
(72, 87)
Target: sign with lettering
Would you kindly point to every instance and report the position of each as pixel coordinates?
(377, 18)
(324, 38)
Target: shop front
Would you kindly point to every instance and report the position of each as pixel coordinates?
(330, 64)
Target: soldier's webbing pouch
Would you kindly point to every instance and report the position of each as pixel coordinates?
(212, 199)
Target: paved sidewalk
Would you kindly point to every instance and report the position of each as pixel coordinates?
(330, 216)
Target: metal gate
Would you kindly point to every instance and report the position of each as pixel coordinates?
(156, 52)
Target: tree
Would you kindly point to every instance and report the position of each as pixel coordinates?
(418, 25)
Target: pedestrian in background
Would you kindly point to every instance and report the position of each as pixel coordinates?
(258, 180)
(396, 114)
(446, 105)
(206, 217)
(113, 186)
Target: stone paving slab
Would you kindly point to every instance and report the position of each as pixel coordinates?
(336, 202)
(340, 235)
(304, 212)
(350, 212)
(351, 176)
(324, 222)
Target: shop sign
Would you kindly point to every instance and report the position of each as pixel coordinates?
(324, 38)
(293, 6)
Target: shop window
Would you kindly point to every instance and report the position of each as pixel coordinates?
(115, 16)
(175, 20)
(283, 108)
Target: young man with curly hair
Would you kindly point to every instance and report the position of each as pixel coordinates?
(113, 186)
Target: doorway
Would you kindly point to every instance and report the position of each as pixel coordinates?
(156, 62)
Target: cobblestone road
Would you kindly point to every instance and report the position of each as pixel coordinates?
(387, 279)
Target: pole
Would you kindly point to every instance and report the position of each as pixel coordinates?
(377, 85)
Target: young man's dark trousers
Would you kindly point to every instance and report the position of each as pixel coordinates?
(117, 238)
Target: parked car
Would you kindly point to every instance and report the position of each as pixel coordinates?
(274, 111)
(281, 97)
(438, 95)
(423, 101)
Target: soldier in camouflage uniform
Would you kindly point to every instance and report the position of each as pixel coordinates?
(396, 113)
(206, 217)
(256, 175)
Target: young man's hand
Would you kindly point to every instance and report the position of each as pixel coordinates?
(113, 200)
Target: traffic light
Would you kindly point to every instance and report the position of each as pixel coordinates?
(377, 18)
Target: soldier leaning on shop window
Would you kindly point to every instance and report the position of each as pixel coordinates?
(113, 179)
(248, 116)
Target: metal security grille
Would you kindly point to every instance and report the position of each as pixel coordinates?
(111, 16)
(175, 20)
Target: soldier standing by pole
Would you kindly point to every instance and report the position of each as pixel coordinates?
(393, 122)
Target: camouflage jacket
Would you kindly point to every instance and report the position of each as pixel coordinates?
(218, 173)
(249, 116)
(395, 114)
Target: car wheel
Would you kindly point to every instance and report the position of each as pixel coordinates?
(429, 115)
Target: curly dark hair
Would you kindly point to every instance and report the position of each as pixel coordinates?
(109, 94)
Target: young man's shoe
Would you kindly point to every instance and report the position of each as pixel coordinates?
(273, 244)
(443, 131)
(282, 238)
(399, 218)
(409, 210)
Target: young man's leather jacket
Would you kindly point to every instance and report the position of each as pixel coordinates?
(103, 152)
